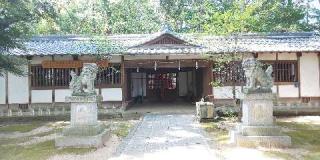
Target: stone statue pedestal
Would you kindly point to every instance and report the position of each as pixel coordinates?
(257, 127)
(84, 129)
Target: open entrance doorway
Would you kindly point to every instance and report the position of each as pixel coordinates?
(165, 85)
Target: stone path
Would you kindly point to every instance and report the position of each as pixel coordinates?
(165, 137)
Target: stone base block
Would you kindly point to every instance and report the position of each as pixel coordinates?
(83, 130)
(74, 141)
(264, 141)
(253, 136)
(260, 130)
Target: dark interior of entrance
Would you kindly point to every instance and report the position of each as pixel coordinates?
(165, 85)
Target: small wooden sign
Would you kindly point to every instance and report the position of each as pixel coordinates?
(72, 63)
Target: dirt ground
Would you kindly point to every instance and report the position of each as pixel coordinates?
(303, 130)
(35, 141)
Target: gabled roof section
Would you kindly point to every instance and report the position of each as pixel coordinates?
(166, 42)
(165, 39)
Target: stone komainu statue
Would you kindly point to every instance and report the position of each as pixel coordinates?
(256, 78)
(84, 83)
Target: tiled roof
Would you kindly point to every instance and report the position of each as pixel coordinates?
(272, 42)
(131, 44)
(63, 45)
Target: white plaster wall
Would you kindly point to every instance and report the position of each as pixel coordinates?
(18, 91)
(287, 56)
(138, 84)
(38, 59)
(115, 59)
(224, 92)
(41, 96)
(128, 57)
(266, 56)
(186, 57)
(2, 90)
(238, 91)
(64, 57)
(183, 88)
(309, 75)
(111, 94)
(60, 94)
(288, 91)
(86, 57)
(274, 89)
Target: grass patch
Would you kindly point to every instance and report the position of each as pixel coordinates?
(121, 129)
(13, 141)
(219, 135)
(38, 151)
(304, 136)
(20, 127)
(282, 155)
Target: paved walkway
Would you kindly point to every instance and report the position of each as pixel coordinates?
(165, 137)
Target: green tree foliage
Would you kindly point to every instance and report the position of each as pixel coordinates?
(142, 16)
(14, 23)
(16, 19)
(226, 17)
(99, 17)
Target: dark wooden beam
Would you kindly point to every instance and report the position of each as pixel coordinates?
(277, 85)
(255, 55)
(299, 54)
(123, 81)
(29, 84)
(53, 87)
(319, 66)
(7, 89)
(166, 64)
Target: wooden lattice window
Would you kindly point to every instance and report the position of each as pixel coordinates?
(48, 77)
(60, 77)
(229, 74)
(109, 76)
(233, 74)
(284, 71)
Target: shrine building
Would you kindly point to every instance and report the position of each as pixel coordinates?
(163, 67)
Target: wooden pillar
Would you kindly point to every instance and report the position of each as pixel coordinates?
(29, 58)
(299, 54)
(255, 55)
(7, 88)
(210, 75)
(123, 80)
(277, 85)
(53, 87)
(319, 66)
